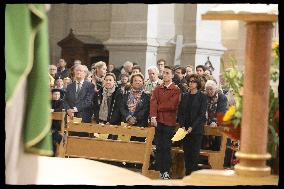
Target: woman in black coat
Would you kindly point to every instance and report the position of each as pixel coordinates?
(192, 117)
(106, 102)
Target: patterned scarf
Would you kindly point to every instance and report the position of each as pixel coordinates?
(133, 99)
(211, 108)
(103, 113)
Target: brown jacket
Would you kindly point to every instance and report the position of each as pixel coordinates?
(164, 104)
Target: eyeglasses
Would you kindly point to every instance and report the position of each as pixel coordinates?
(209, 89)
(192, 81)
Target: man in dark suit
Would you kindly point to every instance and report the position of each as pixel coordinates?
(62, 71)
(78, 99)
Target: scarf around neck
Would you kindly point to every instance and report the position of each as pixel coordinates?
(212, 107)
(103, 113)
(133, 99)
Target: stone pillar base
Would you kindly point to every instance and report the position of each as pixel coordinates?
(252, 171)
(208, 177)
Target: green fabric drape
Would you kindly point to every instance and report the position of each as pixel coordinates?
(27, 57)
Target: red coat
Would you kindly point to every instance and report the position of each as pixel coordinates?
(164, 104)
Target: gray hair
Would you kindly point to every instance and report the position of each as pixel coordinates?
(153, 68)
(127, 63)
(85, 68)
(211, 83)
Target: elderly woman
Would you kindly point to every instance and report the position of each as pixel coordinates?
(192, 117)
(135, 104)
(52, 73)
(106, 102)
(217, 103)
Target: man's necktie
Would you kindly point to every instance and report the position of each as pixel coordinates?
(79, 85)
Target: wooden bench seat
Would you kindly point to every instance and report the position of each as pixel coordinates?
(110, 150)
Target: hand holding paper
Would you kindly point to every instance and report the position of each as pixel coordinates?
(180, 134)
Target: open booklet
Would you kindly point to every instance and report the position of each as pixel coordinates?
(179, 135)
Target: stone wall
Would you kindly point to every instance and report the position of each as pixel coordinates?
(145, 33)
(86, 19)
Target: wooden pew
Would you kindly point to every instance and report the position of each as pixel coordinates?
(215, 158)
(110, 150)
(60, 117)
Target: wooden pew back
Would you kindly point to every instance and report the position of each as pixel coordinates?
(60, 117)
(110, 150)
(215, 158)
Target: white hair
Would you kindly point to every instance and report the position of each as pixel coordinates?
(211, 83)
(127, 63)
(153, 68)
(85, 68)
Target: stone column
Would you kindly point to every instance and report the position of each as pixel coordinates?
(201, 38)
(132, 35)
(170, 17)
(253, 153)
(233, 37)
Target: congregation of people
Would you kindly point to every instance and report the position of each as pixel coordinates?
(105, 94)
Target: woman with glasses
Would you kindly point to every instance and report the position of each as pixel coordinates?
(192, 118)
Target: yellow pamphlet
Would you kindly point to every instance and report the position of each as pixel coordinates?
(180, 134)
(101, 136)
